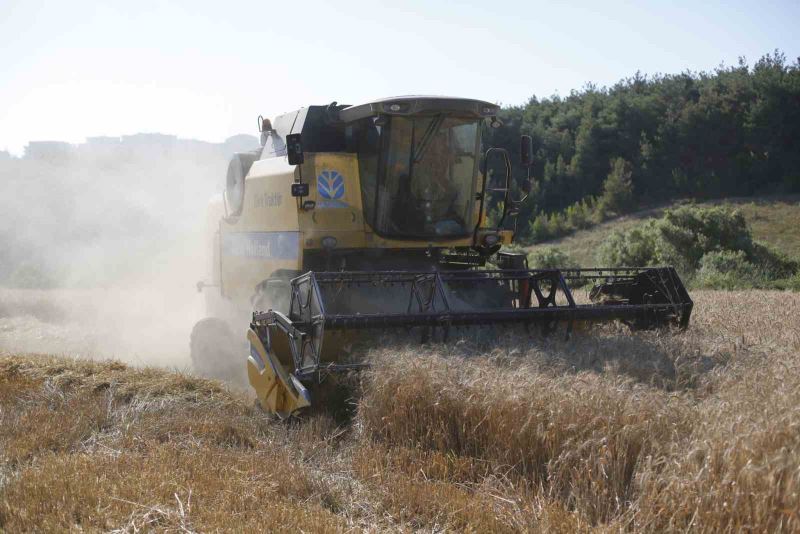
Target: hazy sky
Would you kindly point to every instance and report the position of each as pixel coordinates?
(206, 70)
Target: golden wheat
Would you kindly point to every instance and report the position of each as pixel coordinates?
(608, 431)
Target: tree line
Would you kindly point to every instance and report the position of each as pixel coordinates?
(648, 139)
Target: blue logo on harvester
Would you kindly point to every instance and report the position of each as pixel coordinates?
(330, 185)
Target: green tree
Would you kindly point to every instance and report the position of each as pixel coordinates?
(539, 229)
(732, 131)
(617, 194)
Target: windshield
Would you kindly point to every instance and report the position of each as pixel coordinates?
(426, 187)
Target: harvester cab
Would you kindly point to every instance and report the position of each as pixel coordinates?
(358, 219)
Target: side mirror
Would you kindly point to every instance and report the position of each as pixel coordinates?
(294, 149)
(526, 150)
(526, 186)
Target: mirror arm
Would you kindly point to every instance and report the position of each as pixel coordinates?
(482, 194)
(507, 161)
(526, 195)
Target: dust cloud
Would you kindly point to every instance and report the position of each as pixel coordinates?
(102, 245)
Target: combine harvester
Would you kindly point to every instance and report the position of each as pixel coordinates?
(353, 219)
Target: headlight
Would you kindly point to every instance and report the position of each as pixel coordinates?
(328, 242)
(396, 107)
(491, 239)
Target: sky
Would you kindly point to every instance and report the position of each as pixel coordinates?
(206, 70)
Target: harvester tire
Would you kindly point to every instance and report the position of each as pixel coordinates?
(213, 349)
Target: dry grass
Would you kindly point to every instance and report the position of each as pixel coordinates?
(610, 431)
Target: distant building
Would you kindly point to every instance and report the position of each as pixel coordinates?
(51, 151)
(140, 145)
(149, 140)
(101, 147)
(150, 144)
(103, 140)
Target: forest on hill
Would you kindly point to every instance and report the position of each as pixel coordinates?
(649, 139)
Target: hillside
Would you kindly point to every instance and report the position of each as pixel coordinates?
(731, 132)
(606, 432)
(772, 220)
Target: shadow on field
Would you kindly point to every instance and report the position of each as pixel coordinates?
(667, 360)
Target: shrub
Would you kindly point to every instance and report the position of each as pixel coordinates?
(550, 258)
(727, 261)
(727, 270)
(687, 233)
(577, 216)
(793, 283)
(713, 243)
(633, 248)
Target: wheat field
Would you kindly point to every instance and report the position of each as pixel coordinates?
(608, 431)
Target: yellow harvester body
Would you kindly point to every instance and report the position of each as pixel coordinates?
(351, 218)
(273, 231)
